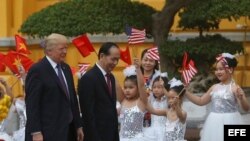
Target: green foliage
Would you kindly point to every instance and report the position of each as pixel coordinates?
(64, 17)
(206, 15)
(76, 17)
(203, 50)
(111, 16)
(195, 16)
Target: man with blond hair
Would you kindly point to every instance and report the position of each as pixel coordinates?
(52, 106)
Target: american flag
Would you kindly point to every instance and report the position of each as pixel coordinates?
(83, 67)
(135, 36)
(189, 69)
(153, 54)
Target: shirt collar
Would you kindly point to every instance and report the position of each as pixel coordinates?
(102, 70)
(53, 63)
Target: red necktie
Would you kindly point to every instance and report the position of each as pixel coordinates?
(109, 84)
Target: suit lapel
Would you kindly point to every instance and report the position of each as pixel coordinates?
(102, 79)
(53, 74)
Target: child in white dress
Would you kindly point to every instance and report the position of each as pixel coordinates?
(156, 131)
(132, 108)
(175, 125)
(225, 97)
(176, 116)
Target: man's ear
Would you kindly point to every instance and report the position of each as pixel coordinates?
(102, 55)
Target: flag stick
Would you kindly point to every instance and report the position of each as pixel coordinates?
(159, 64)
(181, 91)
(133, 51)
(14, 84)
(96, 53)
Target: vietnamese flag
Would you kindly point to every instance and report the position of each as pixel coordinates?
(125, 56)
(13, 60)
(83, 45)
(21, 45)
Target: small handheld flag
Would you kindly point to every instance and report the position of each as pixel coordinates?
(153, 53)
(21, 46)
(125, 56)
(188, 69)
(135, 36)
(83, 45)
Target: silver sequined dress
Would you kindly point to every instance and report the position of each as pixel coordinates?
(131, 124)
(224, 110)
(175, 130)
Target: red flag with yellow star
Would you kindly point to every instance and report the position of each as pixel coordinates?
(13, 60)
(21, 45)
(125, 56)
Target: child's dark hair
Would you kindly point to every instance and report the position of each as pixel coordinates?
(179, 90)
(165, 80)
(232, 63)
(132, 78)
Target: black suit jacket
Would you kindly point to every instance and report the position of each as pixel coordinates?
(48, 107)
(98, 107)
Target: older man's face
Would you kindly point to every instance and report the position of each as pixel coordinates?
(110, 61)
(58, 52)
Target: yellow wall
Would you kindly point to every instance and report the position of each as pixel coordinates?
(14, 12)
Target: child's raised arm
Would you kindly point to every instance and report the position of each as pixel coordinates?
(140, 81)
(182, 115)
(143, 93)
(199, 100)
(162, 112)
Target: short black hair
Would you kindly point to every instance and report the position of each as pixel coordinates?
(156, 67)
(106, 47)
(179, 90)
(132, 78)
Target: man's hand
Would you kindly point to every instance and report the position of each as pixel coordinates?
(80, 135)
(37, 137)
